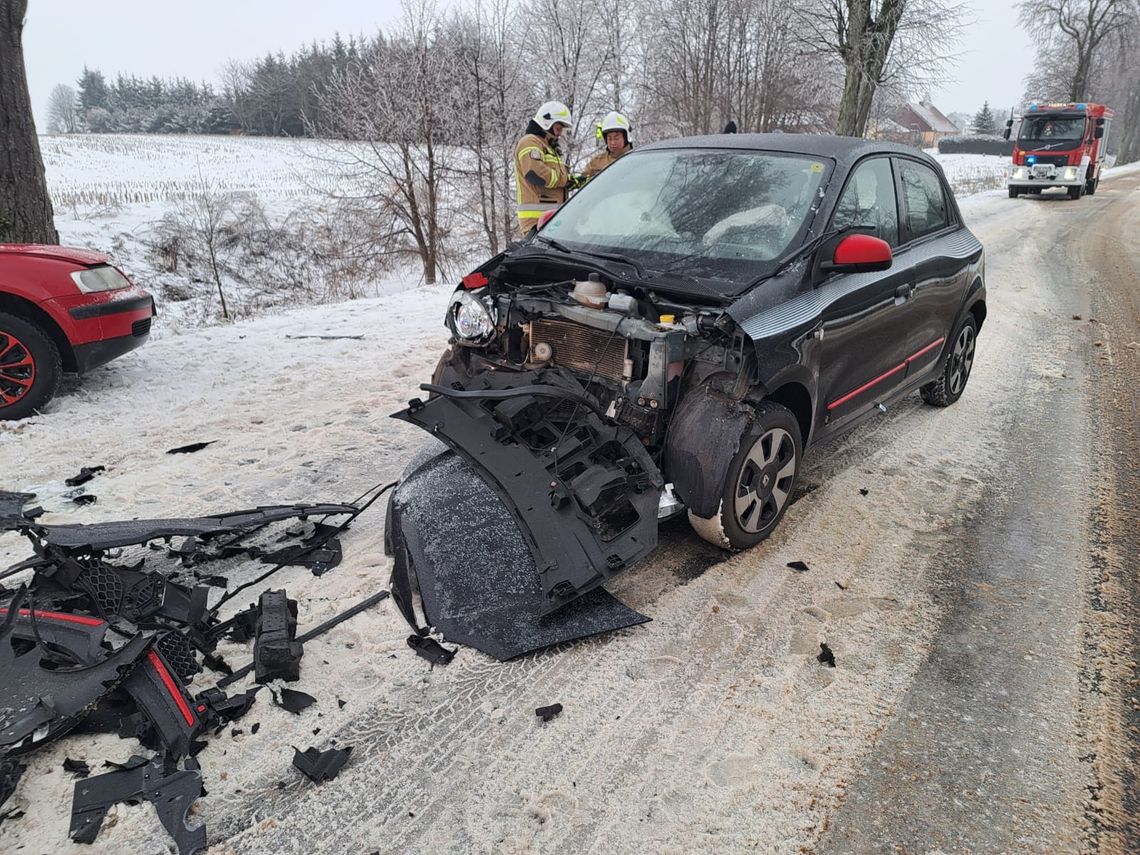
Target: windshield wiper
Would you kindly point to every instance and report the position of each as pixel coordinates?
(621, 259)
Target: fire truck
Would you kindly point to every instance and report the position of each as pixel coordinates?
(1059, 145)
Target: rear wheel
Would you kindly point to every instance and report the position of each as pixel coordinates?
(30, 367)
(1091, 185)
(759, 484)
(951, 383)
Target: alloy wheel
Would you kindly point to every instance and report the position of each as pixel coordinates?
(17, 369)
(765, 480)
(962, 359)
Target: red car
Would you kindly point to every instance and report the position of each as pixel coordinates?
(61, 309)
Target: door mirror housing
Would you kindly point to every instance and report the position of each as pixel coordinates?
(1008, 128)
(859, 253)
(1099, 132)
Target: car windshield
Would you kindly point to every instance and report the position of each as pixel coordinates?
(725, 216)
(1041, 132)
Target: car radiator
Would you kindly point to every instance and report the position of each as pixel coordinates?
(579, 348)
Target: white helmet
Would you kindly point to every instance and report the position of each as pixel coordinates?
(615, 121)
(552, 113)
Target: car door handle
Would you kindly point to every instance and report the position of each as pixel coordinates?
(903, 292)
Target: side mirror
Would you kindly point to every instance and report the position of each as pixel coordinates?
(859, 253)
(1099, 132)
(545, 218)
(1005, 133)
(1008, 128)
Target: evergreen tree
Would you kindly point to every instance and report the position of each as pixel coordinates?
(984, 124)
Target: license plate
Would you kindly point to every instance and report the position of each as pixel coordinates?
(1044, 170)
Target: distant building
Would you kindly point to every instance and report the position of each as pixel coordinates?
(921, 124)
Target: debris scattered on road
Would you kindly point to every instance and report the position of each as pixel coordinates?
(547, 713)
(320, 766)
(826, 656)
(86, 473)
(841, 586)
(430, 649)
(85, 499)
(1076, 317)
(863, 491)
(106, 639)
(292, 701)
(191, 448)
(798, 566)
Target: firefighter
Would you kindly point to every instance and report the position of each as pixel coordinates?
(614, 131)
(541, 175)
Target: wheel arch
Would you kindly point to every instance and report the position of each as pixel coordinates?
(795, 396)
(32, 313)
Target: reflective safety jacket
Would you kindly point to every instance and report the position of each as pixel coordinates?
(541, 178)
(603, 159)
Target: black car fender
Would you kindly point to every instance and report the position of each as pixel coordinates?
(704, 436)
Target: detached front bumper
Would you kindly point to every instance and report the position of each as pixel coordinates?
(105, 325)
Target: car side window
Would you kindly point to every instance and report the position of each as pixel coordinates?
(869, 200)
(926, 209)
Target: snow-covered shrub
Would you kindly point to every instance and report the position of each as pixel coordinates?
(969, 144)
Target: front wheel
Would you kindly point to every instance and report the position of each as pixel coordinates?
(950, 385)
(30, 367)
(1077, 192)
(759, 484)
(1014, 192)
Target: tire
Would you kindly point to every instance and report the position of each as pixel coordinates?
(760, 483)
(30, 367)
(1091, 185)
(1077, 192)
(950, 385)
(1014, 192)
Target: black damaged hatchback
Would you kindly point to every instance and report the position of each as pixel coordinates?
(677, 335)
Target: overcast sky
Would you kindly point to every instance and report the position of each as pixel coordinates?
(194, 39)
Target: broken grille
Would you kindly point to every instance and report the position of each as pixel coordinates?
(579, 348)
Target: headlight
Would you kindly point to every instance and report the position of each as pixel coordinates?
(1070, 173)
(1020, 173)
(469, 317)
(103, 278)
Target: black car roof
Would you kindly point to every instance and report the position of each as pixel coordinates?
(841, 149)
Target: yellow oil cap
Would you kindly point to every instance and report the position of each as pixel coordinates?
(668, 319)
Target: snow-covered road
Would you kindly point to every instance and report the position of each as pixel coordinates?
(712, 728)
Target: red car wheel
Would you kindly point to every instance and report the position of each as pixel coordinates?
(30, 367)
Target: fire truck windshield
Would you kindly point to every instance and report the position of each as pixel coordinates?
(1039, 133)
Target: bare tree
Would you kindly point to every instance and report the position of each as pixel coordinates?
(1084, 24)
(209, 215)
(899, 43)
(25, 205)
(63, 110)
(389, 116)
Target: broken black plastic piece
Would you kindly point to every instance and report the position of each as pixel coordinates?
(223, 708)
(798, 566)
(292, 700)
(191, 448)
(86, 473)
(320, 766)
(863, 491)
(276, 652)
(826, 656)
(161, 697)
(547, 713)
(430, 649)
(172, 791)
(12, 513)
(85, 499)
(39, 702)
(79, 768)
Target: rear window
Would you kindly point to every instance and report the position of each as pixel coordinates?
(926, 209)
